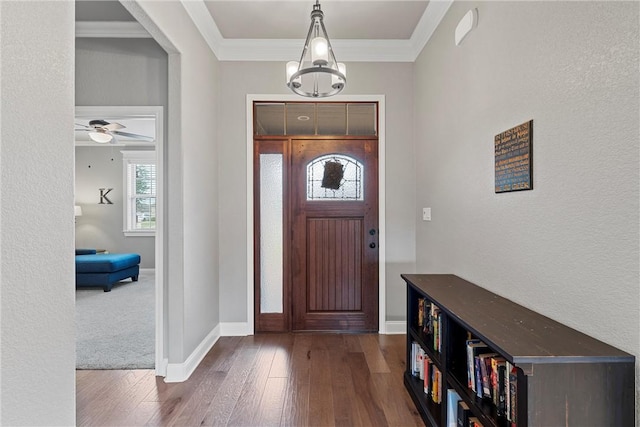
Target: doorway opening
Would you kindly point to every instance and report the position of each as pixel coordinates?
(316, 226)
(119, 190)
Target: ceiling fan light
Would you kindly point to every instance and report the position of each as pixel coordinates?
(100, 137)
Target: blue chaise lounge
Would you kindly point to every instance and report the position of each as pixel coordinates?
(105, 270)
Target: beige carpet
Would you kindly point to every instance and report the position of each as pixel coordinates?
(116, 330)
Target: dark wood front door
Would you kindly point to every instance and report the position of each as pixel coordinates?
(334, 242)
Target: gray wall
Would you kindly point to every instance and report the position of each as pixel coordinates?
(191, 190)
(394, 80)
(101, 225)
(118, 72)
(37, 345)
(568, 248)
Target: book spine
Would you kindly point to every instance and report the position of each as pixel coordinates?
(507, 390)
(501, 389)
(427, 374)
(477, 362)
(485, 369)
(513, 391)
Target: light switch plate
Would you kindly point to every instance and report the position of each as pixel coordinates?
(426, 214)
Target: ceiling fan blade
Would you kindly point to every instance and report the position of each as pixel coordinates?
(113, 126)
(133, 135)
(83, 126)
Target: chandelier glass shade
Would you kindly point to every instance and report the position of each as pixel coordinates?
(317, 74)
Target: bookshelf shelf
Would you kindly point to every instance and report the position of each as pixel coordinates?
(536, 370)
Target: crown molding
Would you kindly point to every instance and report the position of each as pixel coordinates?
(285, 49)
(282, 49)
(111, 29)
(199, 14)
(431, 18)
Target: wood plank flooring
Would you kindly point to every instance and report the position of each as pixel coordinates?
(262, 380)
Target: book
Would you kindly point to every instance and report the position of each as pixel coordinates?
(474, 347)
(507, 396)
(426, 321)
(415, 348)
(463, 414)
(436, 383)
(478, 378)
(427, 375)
(485, 370)
(501, 405)
(420, 313)
(513, 396)
(474, 422)
(452, 407)
(420, 362)
(493, 377)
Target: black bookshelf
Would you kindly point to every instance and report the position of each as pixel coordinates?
(564, 377)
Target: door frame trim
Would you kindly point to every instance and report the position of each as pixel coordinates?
(380, 99)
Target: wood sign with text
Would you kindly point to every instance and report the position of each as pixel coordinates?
(514, 159)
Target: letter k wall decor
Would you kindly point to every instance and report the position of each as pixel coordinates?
(104, 200)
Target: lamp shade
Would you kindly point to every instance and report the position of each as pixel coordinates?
(319, 51)
(77, 210)
(100, 137)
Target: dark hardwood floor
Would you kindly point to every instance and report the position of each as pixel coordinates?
(262, 380)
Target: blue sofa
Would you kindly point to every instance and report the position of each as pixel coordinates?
(105, 270)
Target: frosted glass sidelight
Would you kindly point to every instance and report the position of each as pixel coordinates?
(271, 250)
(351, 184)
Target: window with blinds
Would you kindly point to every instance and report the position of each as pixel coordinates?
(140, 182)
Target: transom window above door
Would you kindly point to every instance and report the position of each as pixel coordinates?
(315, 118)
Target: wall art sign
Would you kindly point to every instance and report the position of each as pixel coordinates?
(104, 200)
(514, 159)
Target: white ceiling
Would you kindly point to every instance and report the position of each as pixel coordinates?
(274, 30)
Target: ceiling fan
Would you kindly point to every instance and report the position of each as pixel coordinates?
(102, 131)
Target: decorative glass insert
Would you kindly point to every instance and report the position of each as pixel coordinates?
(335, 177)
(271, 232)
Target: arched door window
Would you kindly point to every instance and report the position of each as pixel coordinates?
(335, 177)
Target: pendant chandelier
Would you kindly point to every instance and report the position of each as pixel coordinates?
(317, 74)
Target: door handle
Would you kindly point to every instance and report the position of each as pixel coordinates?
(372, 231)
(372, 245)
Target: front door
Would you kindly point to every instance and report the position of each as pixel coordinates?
(334, 242)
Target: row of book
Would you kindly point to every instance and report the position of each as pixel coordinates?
(422, 367)
(492, 377)
(458, 412)
(464, 416)
(430, 322)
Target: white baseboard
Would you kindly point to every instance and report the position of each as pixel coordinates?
(161, 368)
(178, 372)
(235, 329)
(396, 327)
(148, 270)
